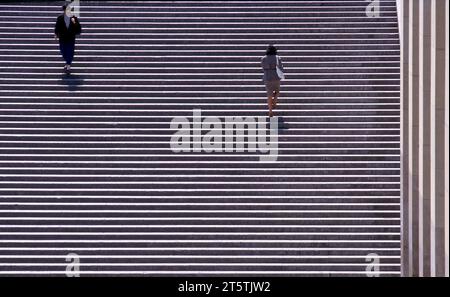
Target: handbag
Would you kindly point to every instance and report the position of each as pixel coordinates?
(279, 71)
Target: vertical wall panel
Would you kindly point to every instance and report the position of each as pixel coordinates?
(438, 199)
(433, 137)
(424, 90)
(413, 139)
(424, 137)
(446, 206)
(404, 39)
(404, 56)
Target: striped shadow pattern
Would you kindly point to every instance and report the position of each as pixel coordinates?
(85, 161)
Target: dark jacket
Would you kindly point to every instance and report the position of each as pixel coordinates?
(67, 34)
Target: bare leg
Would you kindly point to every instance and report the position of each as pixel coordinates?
(275, 98)
(270, 104)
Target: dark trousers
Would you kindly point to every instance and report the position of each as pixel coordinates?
(67, 49)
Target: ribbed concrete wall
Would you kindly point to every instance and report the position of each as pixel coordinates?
(424, 43)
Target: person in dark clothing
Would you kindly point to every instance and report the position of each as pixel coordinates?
(66, 29)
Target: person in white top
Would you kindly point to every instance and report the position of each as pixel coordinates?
(273, 74)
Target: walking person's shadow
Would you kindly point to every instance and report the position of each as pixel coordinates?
(281, 123)
(72, 81)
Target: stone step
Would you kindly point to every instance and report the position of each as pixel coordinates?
(86, 164)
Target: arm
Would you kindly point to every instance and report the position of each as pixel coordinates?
(57, 28)
(77, 25)
(280, 64)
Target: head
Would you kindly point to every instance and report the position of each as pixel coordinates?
(66, 10)
(271, 50)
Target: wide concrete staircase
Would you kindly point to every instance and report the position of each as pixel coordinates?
(86, 166)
